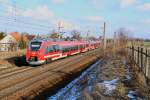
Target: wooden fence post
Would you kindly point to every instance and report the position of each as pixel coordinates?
(142, 59)
(138, 62)
(145, 61)
(148, 66)
(136, 55)
(133, 52)
(146, 69)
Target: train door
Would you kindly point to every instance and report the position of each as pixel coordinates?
(52, 52)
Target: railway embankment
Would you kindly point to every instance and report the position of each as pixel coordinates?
(27, 82)
(115, 77)
(12, 59)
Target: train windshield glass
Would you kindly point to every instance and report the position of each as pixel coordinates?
(35, 46)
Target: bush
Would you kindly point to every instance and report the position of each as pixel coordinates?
(22, 44)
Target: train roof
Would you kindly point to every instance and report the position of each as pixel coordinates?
(47, 40)
(62, 42)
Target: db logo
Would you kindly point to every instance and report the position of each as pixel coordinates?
(33, 53)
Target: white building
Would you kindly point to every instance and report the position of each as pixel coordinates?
(8, 43)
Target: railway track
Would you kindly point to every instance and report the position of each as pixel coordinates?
(16, 70)
(19, 82)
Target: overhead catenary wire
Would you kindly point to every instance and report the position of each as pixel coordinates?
(15, 20)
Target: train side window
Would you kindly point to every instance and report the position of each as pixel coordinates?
(60, 49)
(76, 47)
(46, 50)
(67, 49)
(71, 48)
(82, 46)
(63, 49)
(50, 49)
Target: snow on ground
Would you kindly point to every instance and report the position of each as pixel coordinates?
(109, 86)
(111, 79)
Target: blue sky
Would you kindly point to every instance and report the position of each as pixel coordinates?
(43, 16)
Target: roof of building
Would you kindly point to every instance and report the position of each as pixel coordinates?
(18, 36)
(8, 39)
(30, 37)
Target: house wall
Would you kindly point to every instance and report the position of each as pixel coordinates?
(8, 43)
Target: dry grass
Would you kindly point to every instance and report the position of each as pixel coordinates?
(5, 64)
(114, 67)
(121, 90)
(5, 55)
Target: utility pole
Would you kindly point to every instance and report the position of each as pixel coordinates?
(87, 35)
(115, 39)
(115, 42)
(104, 36)
(59, 29)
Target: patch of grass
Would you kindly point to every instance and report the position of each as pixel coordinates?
(121, 89)
(147, 44)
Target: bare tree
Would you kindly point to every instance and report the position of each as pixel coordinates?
(92, 38)
(122, 37)
(54, 34)
(2, 35)
(76, 35)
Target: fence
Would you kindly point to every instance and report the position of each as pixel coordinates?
(6, 55)
(141, 56)
(8, 47)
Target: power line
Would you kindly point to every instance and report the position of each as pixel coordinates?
(16, 21)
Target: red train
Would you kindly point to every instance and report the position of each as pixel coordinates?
(41, 51)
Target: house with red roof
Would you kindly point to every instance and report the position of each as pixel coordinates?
(11, 41)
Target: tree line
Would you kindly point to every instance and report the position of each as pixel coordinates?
(74, 35)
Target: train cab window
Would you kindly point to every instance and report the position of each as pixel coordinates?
(35, 46)
(56, 48)
(46, 50)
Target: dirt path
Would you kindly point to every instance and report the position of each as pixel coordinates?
(117, 79)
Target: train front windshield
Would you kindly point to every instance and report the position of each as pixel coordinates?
(35, 46)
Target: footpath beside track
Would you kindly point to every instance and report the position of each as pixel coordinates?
(28, 82)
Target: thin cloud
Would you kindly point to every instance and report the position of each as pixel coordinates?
(41, 12)
(147, 21)
(95, 18)
(145, 7)
(58, 1)
(126, 3)
(4, 1)
(98, 4)
(69, 26)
